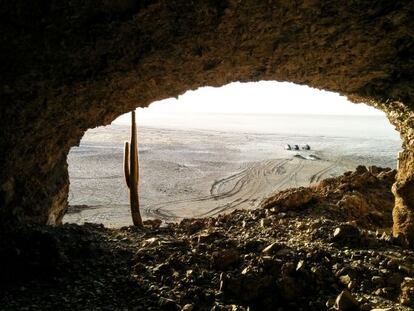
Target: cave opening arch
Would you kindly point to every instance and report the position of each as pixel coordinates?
(233, 152)
(96, 61)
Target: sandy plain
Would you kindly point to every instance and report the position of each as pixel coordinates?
(190, 173)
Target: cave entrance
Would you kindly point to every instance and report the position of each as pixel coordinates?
(214, 150)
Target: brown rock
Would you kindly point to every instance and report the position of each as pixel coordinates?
(377, 280)
(272, 248)
(361, 169)
(346, 302)
(187, 307)
(355, 205)
(152, 223)
(209, 237)
(375, 170)
(407, 292)
(167, 304)
(289, 288)
(345, 279)
(265, 222)
(290, 199)
(192, 225)
(346, 233)
(247, 286)
(226, 258)
(330, 303)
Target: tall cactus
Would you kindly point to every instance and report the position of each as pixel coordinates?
(131, 170)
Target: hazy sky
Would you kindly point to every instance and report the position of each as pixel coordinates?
(266, 97)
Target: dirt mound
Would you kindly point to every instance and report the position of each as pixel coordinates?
(293, 254)
(363, 196)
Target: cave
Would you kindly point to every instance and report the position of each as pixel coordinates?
(68, 67)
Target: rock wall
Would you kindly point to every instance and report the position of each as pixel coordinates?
(67, 66)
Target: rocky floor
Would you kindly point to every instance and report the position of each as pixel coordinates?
(327, 247)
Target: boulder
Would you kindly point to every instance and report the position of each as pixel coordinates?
(355, 205)
(226, 258)
(290, 199)
(346, 233)
(346, 302)
(272, 248)
(407, 292)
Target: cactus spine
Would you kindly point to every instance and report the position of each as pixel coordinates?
(131, 170)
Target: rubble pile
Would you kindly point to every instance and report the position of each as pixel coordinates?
(327, 247)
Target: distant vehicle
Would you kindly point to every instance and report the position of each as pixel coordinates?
(296, 147)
